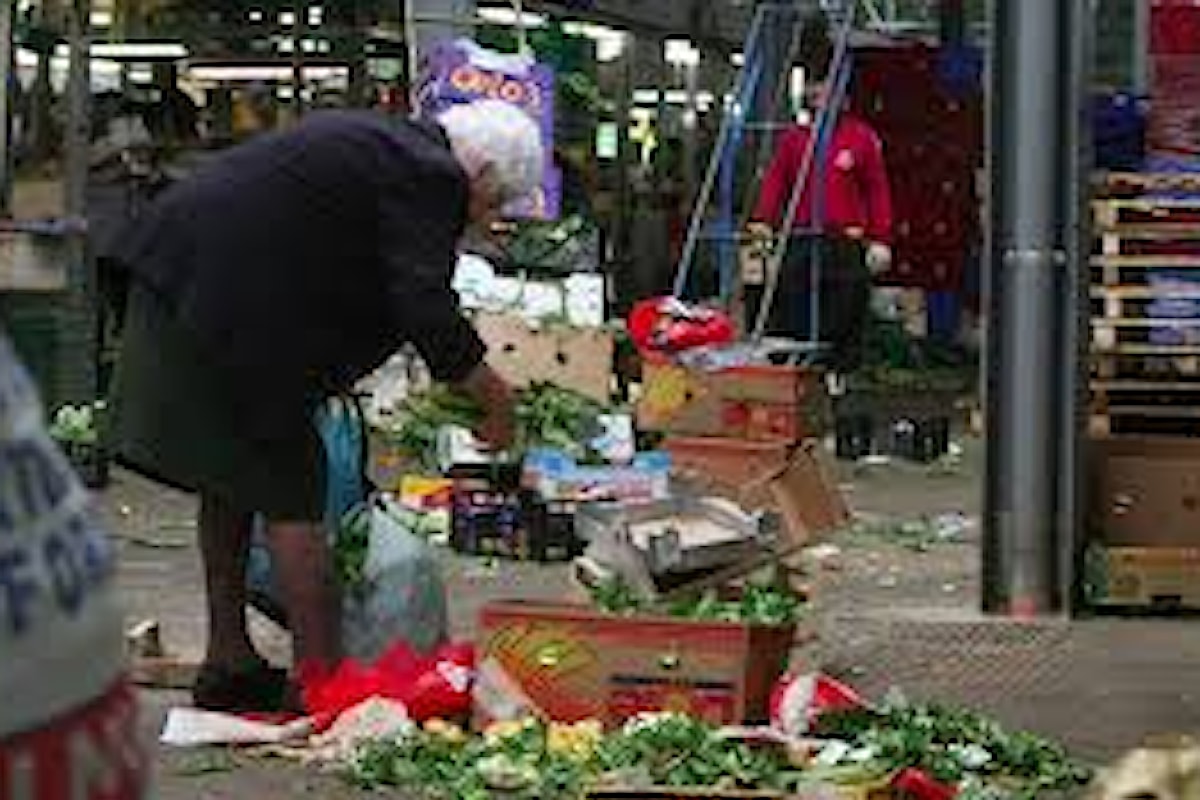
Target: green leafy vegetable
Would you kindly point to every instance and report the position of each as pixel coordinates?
(546, 416)
(956, 746)
(759, 603)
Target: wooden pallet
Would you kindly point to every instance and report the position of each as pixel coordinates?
(1148, 211)
(1145, 382)
(1125, 184)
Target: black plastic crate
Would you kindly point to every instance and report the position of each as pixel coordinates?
(491, 515)
(91, 463)
(922, 439)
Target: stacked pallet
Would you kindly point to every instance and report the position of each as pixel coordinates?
(1144, 459)
(1146, 307)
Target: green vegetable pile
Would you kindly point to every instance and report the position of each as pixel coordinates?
(563, 762)
(547, 416)
(78, 425)
(441, 763)
(956, 747)
(676, 751)
(759, 603)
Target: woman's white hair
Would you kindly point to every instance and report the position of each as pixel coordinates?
(497, 135)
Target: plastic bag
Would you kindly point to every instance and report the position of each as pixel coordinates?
(403, 598)
(798, 700)
(665, 325)
(437, 686)
(340, 425)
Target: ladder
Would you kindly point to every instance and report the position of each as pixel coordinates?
(759, 105)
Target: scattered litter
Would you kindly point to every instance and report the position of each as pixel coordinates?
(191, 727)
(825, 556)
(210, 763)
(154, 543)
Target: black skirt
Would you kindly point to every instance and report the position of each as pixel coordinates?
(842, 298)
(181, 419)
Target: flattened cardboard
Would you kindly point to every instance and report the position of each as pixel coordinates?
(574, 358)
(790, 479)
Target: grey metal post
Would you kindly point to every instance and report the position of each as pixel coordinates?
(1032, 307)
(1074, 198)
(7, 72)
(79, 362)
(1141, 47)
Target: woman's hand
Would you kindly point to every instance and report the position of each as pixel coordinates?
(493, 394)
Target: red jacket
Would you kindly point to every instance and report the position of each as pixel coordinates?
(856, 183)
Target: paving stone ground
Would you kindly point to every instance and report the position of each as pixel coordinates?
(891, 614)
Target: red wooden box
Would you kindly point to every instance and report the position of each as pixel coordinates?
(571, 663)
(759, 403)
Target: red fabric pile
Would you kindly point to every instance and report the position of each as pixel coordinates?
(436, 686)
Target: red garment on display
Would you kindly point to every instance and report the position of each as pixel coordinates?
(933, 145)
(857, 194)
(1174, 125)
(1175, 28)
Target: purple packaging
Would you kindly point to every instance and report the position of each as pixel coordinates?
(461, 71)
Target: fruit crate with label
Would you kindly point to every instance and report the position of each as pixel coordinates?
(572, 662)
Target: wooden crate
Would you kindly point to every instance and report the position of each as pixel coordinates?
(753, 403)
(1144, 578)
(570, 663)
(1144, 492)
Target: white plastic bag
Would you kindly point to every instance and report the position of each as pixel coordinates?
(403, 597)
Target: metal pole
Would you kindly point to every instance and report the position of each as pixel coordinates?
(1030, 134)
(952, 22)
(7, 74)
(80, 364)
(1141, 47)
(1075, 197)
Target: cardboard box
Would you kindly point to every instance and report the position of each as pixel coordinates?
(1144, 577)
(574, 358)
(30, 263)
(571, 663)
(1145, 492)
(757, 403)
(680, 535)
(555, 476)
(790, 479)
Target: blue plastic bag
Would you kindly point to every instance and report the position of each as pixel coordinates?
(340, 425)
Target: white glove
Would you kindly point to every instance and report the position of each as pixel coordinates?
(879, 258)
